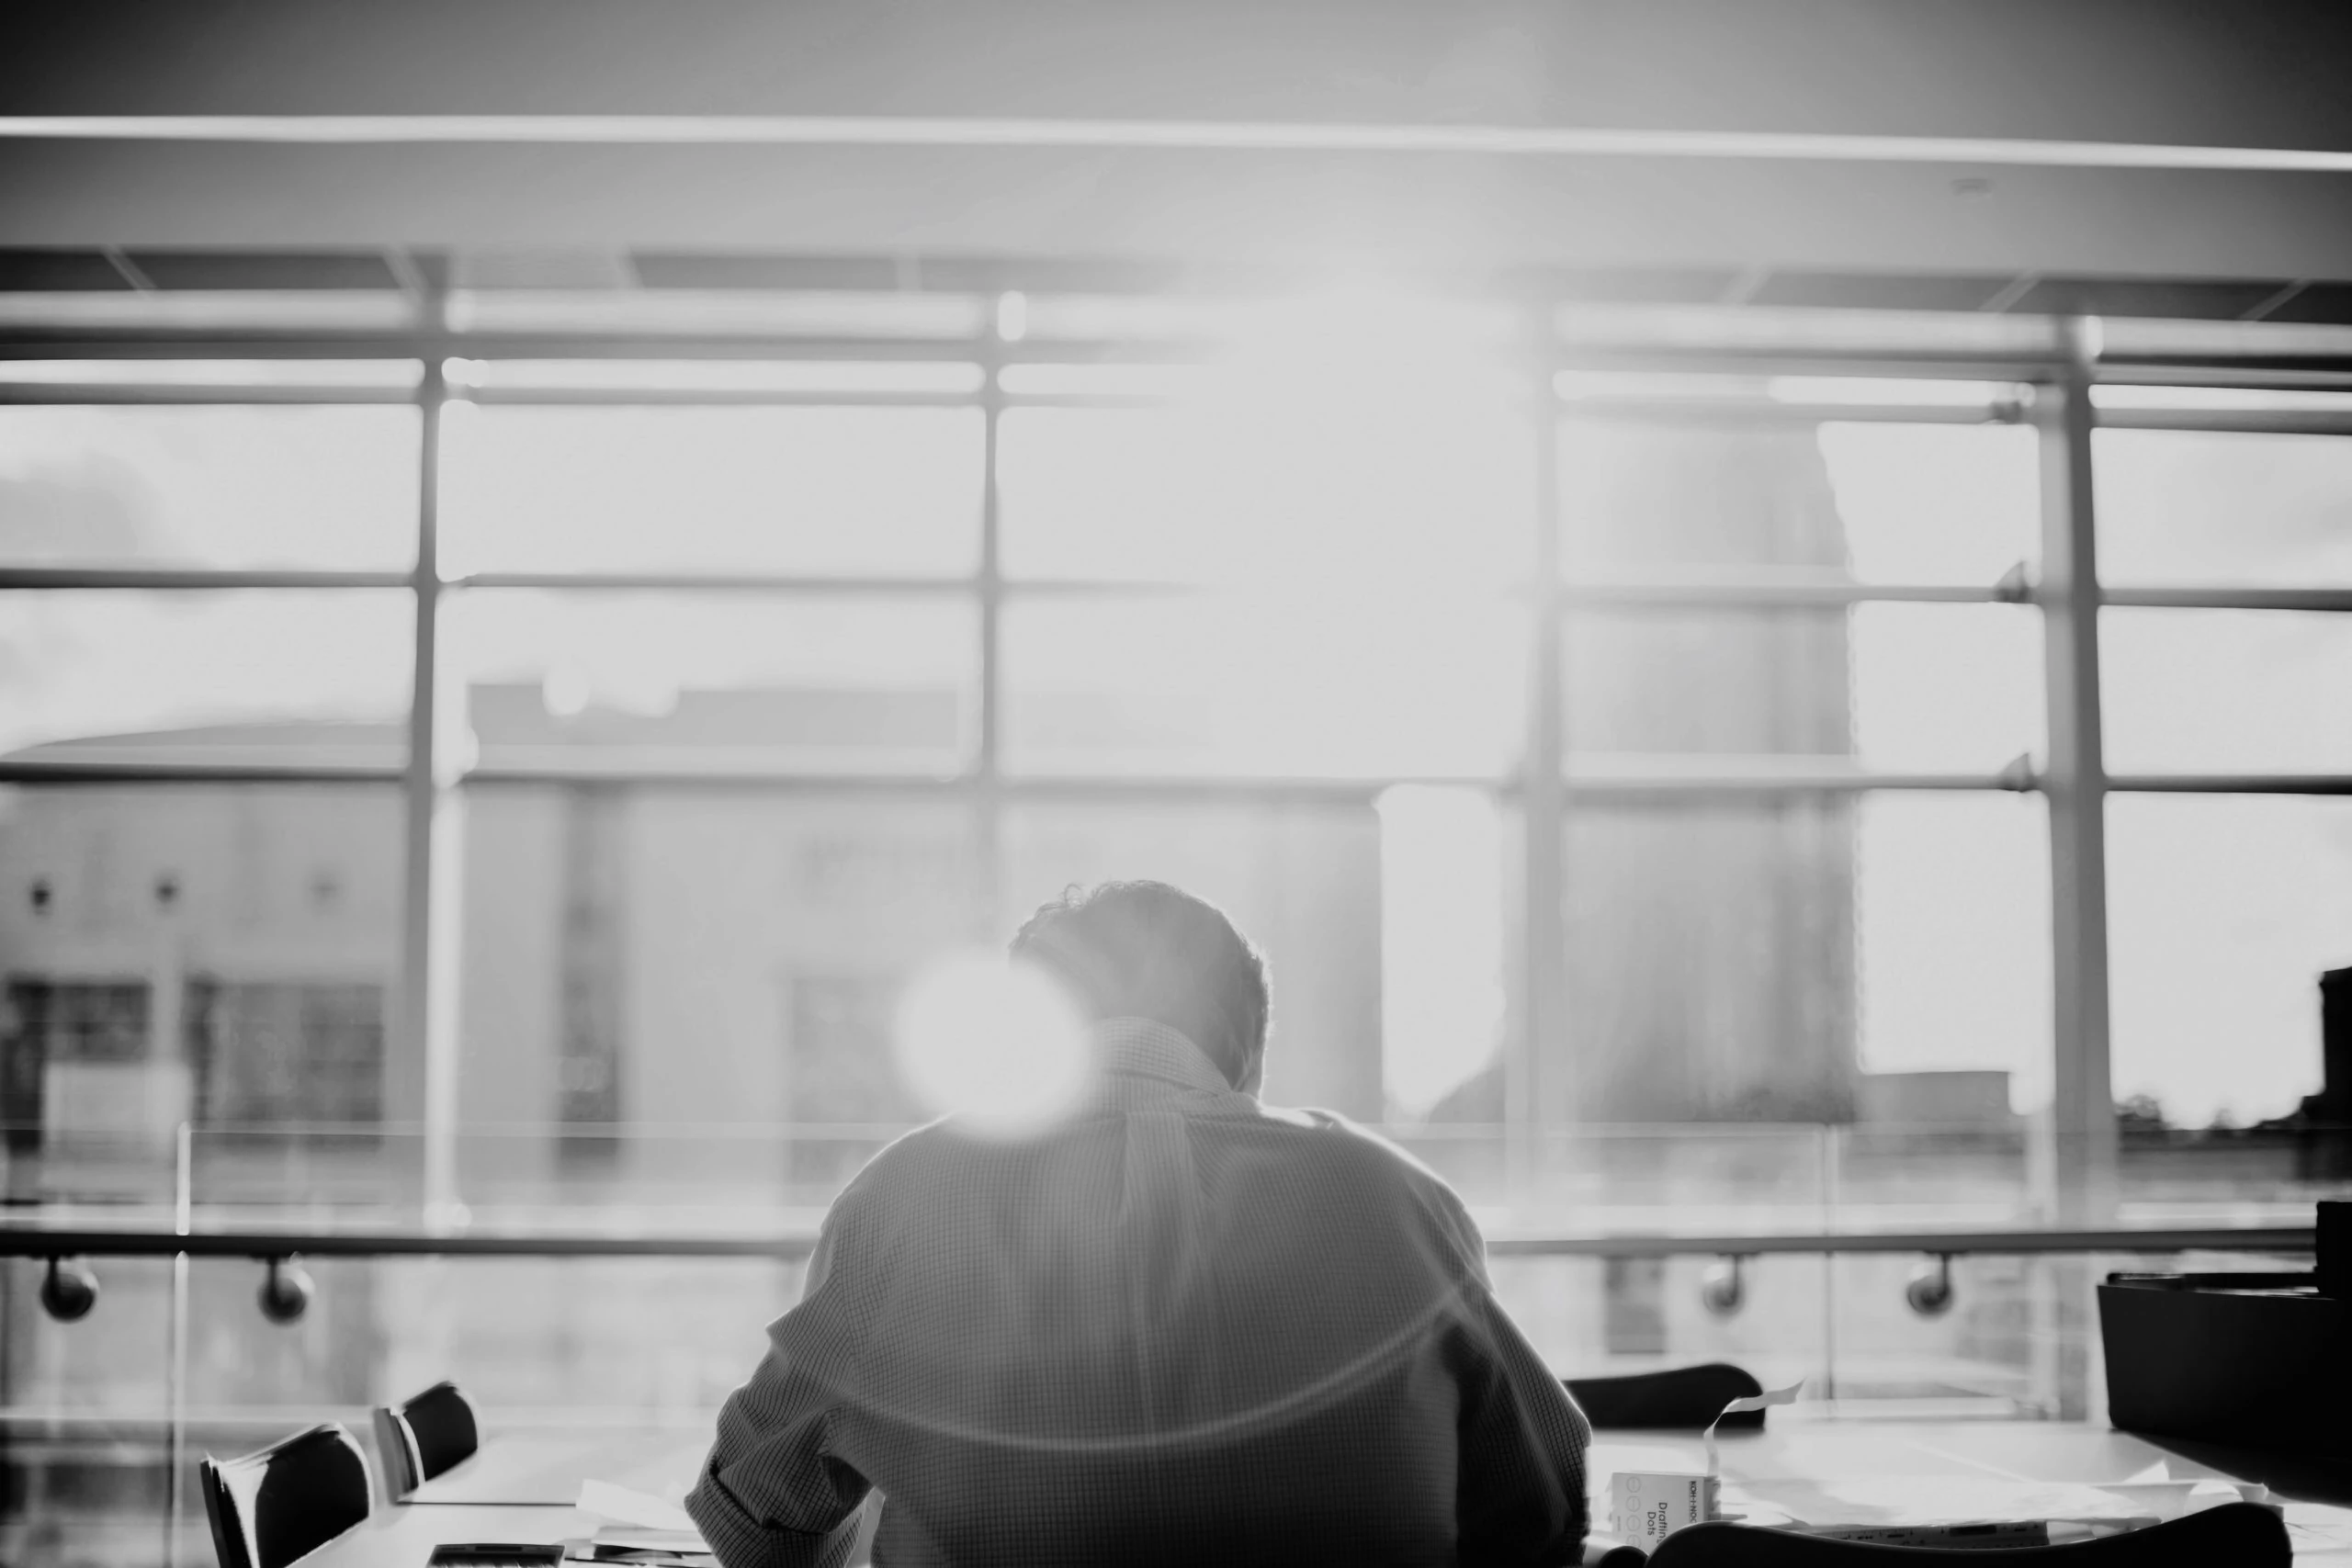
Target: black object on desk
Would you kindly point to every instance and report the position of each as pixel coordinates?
(2245, 1535)
(2335, 1250)
(494, 1554)
(1678, 1397)
(2262, 1360)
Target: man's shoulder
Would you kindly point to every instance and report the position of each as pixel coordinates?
(1328, 1136)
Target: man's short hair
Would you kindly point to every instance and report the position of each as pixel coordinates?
(1148, 950)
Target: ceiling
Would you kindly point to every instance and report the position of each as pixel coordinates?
(2259, 75)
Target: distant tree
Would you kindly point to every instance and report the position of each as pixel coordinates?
(2141, 1113)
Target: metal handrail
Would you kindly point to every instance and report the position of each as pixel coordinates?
(44, 1241)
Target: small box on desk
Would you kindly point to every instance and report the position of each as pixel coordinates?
(1646, 1506)
(2258, 1360)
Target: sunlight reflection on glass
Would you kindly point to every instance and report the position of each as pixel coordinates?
(999, 1043)
(1441, 940)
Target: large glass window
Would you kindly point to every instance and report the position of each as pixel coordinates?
(740, 681)
(1884, 502)
(2226, 691)
(1268, 685)
(870, 490)
(222, 671)
(1893, 687)
(2185, 506)
(2224, 911)
(209, 486)
(755, 702)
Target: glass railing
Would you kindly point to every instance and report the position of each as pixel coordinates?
(624, 1275)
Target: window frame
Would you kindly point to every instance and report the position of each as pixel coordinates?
(1567, 371)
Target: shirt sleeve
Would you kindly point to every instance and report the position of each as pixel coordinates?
(1520, 1491)
(774, 1492)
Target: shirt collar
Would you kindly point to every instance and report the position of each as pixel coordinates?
(1145, 1048)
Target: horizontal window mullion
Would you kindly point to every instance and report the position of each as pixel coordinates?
(639, 397)
(27, 769)
(2243, 422)
(806, 583)
(82, 342)
(69, 394)
(2322, 600)
(1586, 777)
(1743, 413)
(192, 578)
(1633, 787)
(2230, 784)
(1738, 590)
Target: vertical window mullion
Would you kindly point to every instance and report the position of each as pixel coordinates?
(424, 1065)
(1540, 1080)
(988, 758)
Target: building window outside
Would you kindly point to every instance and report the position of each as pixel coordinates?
(277, 1054)
(68, 1023)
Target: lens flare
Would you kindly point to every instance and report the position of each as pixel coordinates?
(996, 1043)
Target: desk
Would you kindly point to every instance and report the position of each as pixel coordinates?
(1860, 1447)
(546, 1468)
(2043, 1450)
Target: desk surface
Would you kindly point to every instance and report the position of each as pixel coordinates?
(546, 1468)
(1854, 1446)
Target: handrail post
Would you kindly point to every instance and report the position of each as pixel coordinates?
(2081, 1129)
(2080, 1157)
(988, 758)
(425, 1014)
(1831, 1151)
(176, 1338)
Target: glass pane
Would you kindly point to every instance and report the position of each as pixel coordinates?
(684, 1001)
(292, 674)
(2006, 1346)
(1302, 883)
(209, 486)
(1331, 486)
(1880, 502)
(1596, 1317)
(2241, 691)
(808, 489)
(1936, 503)
(1449, 859)
(1327, 688)
(2203, 506)
(824, 685)
(218, 955)
(2222, 913)
(1895, 686)
(1952, 916)
(1806, 960)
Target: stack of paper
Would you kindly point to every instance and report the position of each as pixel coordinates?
(1967, 1500)
(639, 1527)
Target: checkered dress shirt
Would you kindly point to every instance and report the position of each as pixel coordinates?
(1178, 1328)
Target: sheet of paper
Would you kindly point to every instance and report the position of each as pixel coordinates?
(624, 1505)
(1929, 1500)
(657, 1540)
(1769, 1397)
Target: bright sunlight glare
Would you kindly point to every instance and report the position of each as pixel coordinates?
(998, 1043)
(1441, 942)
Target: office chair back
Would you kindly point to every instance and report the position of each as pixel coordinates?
(1681, 1396)
(2245, 1535)
(424, 1437)
(269, 1508)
